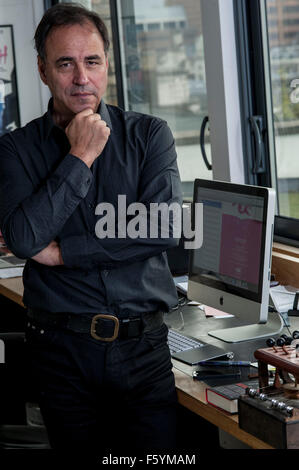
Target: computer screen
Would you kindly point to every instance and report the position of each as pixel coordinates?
(231, 270)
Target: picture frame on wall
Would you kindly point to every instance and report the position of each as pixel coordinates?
(9, 103)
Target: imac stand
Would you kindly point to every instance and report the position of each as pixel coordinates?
(237, 334)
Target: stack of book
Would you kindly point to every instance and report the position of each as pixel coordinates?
(11, 266)
(226, 397)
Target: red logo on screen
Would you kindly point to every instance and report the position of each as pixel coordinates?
(3, 54)
(242, 209)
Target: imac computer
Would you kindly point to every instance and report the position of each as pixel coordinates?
(231, 270)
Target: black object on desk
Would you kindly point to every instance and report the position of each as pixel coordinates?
(214, 372)
(241, 374)
(294, 312)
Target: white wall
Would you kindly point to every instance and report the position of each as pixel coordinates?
(24, 15)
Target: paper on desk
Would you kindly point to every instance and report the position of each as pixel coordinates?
(213, 312)
(183, 286)
(181, 283)
(5, 273)
(283, 297)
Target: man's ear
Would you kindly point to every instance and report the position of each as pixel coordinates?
(42, 70)
(106, 61)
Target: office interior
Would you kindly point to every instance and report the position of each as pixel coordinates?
(224, 74)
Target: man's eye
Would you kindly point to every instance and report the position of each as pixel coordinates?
(65, 64)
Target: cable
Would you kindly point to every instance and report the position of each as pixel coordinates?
(285, 324)
(182, 320)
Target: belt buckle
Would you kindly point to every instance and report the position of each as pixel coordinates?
(107, 317)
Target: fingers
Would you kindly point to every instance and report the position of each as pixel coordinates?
(102, 126)
(97, 121)
(97, 124)
(87, 116)
(79, 116)
(87, 134)
(85, 112)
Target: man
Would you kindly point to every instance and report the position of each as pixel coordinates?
(96, 338)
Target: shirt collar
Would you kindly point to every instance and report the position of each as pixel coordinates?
(48, 120)
(49, 123)
(104, 113)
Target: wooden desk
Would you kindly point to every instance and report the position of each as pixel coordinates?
(191, 394)
(12, 289)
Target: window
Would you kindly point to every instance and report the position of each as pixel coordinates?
(154, 26)
(290, 21)
(170, 25)
(285, 105)
(290, 8)
(271, 32)
(164, 73)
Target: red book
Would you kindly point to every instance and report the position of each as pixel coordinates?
(226, 396)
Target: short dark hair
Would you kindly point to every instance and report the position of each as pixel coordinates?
(64, 14)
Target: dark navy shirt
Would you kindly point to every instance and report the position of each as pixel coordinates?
(48, 194)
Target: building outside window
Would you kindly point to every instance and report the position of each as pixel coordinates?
(283, 34)
(164, 72)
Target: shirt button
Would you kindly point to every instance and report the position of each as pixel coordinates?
(90, 205)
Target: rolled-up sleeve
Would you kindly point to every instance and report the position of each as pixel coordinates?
(30, 217)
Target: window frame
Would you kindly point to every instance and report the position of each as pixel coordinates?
(223, 90)
(255, 72)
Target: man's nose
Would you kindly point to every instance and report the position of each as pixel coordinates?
(80, 75)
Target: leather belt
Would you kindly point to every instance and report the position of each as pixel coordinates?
(103, 327)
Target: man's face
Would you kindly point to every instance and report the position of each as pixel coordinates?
(75, 68)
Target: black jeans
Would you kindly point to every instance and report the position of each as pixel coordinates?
(95, 396)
